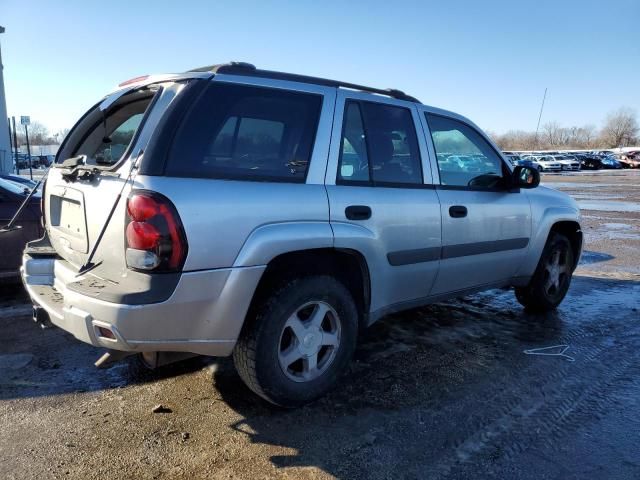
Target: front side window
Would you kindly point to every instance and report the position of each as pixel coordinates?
(465, 159)
(379, 146)
(247, 133)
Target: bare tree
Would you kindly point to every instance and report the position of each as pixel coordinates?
(620, 129)
(60, 135)
(586, 136)
(38, 135)
(552, 134)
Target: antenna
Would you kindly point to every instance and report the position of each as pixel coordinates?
(539, 117)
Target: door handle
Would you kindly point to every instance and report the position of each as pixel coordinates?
(358, 212)
(457, 211)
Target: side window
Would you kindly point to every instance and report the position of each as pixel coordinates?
(465, 159)
(354, 161)
(247, 133)
(379, 146)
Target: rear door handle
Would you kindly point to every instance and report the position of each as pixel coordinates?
(358, 212)
(458, 211)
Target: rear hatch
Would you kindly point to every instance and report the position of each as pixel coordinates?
(77, 202)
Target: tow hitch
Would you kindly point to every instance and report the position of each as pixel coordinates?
(41, 317)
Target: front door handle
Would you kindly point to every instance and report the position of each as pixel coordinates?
(358, 212)
(458, 211)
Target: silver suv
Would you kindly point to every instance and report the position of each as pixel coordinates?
(271, 216)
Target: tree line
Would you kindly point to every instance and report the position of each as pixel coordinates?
(38, 135)
(619, 130)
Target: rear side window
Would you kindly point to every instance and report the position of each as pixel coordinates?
(247, 133)
(379, 146)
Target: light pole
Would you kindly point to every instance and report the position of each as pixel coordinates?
(5, 159)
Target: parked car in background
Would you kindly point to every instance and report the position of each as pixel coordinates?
(43, 161)
(610, 162)
(12, 243)
(567, 162)
(525, 162)
(513, 158)
(628, 160)
(262, 222)
(24, 160)
(516, 159)
(590, 162)
(18, 179)
(546, 162)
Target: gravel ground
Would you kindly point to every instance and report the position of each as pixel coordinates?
(442, 392)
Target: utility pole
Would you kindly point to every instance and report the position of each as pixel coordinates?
(15, 143)
(25, 121)
(10, 142)
(5, 163)
(539, 117)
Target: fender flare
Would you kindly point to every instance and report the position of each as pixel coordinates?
(268, 241)
(550, 217)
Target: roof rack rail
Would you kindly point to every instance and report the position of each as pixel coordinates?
(250, 70)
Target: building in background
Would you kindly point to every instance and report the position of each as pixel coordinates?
(6, 162)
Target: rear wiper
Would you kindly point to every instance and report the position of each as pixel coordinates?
(76, 168)
(89, 265)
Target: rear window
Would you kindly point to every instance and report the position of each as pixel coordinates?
(247, 133)
(109, 137)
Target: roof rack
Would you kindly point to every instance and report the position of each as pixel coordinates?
(249, 70)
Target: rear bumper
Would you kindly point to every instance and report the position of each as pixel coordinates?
(204, 314)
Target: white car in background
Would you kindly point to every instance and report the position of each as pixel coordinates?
(567, 162)
(547, 163)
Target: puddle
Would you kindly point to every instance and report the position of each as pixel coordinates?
(617, 226)
(578, 185)
(609, 206)
(15, 361)
(596, 196)
(594, 257)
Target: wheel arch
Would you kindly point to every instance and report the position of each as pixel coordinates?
(347, 265)
(571, 230)
(560, 219)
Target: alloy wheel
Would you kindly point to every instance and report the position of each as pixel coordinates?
(309, 341)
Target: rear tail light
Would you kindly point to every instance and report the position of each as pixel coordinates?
(155, 239)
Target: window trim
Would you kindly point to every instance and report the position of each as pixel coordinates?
(439, 185)
(372, 183)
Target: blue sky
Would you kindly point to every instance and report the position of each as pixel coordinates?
(488, 60)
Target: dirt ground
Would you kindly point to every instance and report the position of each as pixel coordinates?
(442, 392)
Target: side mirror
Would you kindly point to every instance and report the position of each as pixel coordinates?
(525, 177)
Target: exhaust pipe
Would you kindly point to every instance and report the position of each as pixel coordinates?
(41, 317)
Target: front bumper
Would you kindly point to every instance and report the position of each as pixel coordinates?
(204, 314)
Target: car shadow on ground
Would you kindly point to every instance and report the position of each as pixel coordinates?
(37, 362)
(429, 368)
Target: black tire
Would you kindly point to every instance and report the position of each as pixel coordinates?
(257, 353)
(539, 296)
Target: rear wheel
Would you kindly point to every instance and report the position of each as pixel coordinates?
(299, 341)
(552, 277)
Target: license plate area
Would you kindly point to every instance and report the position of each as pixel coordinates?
(67, 218)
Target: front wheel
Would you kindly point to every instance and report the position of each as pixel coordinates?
(552, 277)
(299, 341)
